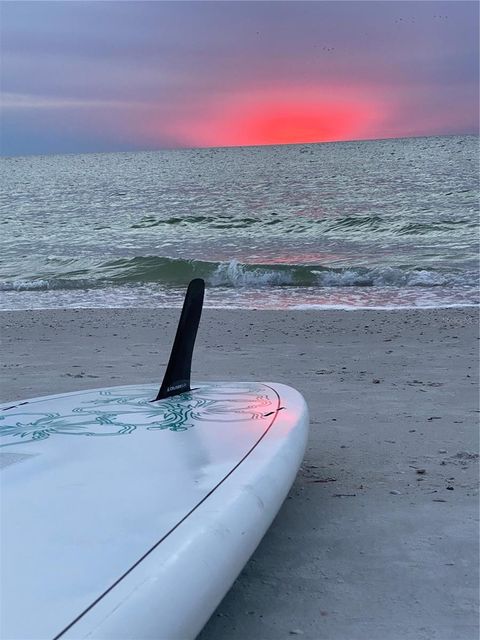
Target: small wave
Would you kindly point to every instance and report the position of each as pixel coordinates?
(150, 221)
(176, 272)
(385, 277)
(236, 274)
(41, 284)
(24, 285)
(359, 223)
(433, 228)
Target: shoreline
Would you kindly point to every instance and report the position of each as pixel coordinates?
(364, 547)
(306, 307)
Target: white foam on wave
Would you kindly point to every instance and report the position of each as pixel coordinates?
(25, 285)
(389, 277)
(236, 274)
(425, 279)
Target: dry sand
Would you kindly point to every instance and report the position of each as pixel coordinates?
(378, 538)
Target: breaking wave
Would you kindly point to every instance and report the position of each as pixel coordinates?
(177, 272)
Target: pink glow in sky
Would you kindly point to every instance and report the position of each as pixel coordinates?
(280, 116)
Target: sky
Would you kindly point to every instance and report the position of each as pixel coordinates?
(116, 76)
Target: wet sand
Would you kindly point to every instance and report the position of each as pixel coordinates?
(378, 537)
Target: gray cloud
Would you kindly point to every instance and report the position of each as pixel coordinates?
(168, 56)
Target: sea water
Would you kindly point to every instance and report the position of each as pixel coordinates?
(381, 224)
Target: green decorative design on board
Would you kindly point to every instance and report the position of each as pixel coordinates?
(115, 412)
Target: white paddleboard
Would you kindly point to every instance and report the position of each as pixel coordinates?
(127, 519)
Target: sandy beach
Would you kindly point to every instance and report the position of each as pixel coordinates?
(378, 537)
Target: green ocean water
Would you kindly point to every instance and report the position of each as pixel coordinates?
(389, 223)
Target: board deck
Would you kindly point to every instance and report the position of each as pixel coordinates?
(112, 503)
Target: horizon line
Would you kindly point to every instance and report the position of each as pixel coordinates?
(239, 146)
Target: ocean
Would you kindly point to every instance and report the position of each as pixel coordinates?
(371, 224)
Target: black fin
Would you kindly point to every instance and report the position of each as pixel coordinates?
(177, 375)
